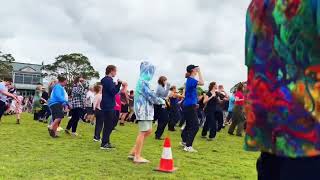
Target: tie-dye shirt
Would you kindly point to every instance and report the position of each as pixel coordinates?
(283, 59)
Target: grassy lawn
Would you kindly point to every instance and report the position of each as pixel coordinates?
(27, 152)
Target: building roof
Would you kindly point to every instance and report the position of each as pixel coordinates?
(28, 67)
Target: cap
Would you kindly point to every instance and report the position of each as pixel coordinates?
(191, 67)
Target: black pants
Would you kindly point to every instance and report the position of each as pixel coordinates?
(229, 117)
(271, 167)
(99, 124)
(163, 119)
(73, 122)
(108, 125)
(192, 125)
(210, 125)
(219, 119)
(116, 118)
(45, 112)
(174, 116)
(2, 108)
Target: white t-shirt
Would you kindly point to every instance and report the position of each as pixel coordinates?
(89, 98)
(3, 88)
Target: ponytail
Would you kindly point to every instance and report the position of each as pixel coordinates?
(188, 75)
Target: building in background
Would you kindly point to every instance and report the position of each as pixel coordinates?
(26, 77)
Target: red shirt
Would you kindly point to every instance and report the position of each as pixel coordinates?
(239, 95)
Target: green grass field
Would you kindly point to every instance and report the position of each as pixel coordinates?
(27, 152)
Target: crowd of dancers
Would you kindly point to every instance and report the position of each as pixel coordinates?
(109, 103)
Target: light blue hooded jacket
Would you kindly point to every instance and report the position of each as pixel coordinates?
(145, 98)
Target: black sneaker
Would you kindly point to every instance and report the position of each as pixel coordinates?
(107, 147)
(51, 132)
(159, 138)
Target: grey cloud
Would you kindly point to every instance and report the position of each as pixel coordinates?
(171, 33)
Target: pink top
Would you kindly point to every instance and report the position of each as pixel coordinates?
(118, 103)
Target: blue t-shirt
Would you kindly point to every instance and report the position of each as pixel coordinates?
(191, 96)
(231, 103)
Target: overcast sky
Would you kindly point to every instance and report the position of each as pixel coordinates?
(169, 33)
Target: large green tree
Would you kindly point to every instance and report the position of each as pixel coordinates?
(5, 65)
(71, 66)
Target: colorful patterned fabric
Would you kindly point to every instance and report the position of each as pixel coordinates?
(283, 59)
(145, 98)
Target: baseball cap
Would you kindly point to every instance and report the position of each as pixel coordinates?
(191, 67)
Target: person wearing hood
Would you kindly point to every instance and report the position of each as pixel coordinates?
(144, 100)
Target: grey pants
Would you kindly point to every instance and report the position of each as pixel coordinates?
(238, 120)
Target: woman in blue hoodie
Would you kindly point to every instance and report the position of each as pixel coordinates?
(144, 100)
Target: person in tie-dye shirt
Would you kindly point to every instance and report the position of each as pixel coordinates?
(283, 100)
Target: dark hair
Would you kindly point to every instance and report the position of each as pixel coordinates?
(61, 79)
(188, 75)
(161, 80)
(7, 79)
(131, 92)
(172, 88)
(110, 68)
(97, 88)
(76, 80)
(240, 87)
(211, 85)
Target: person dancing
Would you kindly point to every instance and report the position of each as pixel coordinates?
(144, 100)
(57, 102)
(190, 107)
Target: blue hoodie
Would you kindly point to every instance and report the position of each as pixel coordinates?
(145, 98)
(58, 95)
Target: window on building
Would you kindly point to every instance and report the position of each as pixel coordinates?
(27, 79)
(36, 79)
(18, 78)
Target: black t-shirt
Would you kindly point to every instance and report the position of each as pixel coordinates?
(45, 96)
(212, 103)
(201, 104)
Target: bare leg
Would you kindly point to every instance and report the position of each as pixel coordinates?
(123, 117)
(139, 144)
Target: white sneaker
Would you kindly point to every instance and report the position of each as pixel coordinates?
(75, 134)
(182, 144)
(96, 140)
(190, 149)
(59, 129)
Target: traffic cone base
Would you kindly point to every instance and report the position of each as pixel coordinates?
(167, 171)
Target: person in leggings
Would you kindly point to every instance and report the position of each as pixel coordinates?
(97, 112)
(162, 113)
(211, 100)
(190, 107)
(282, 95)
(109, 91)
(77, 105)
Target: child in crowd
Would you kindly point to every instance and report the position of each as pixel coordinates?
(117, 109)
(144, 100)
(18, 107)
(97, 112)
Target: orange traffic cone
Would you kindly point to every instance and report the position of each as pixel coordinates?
(166, 162)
